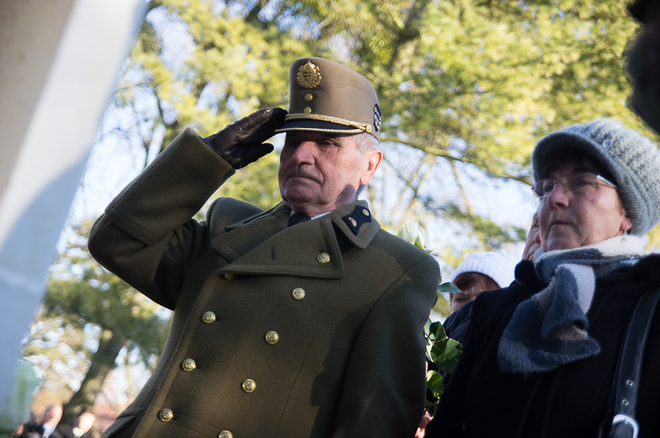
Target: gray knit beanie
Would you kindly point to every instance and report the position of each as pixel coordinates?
(632, 159)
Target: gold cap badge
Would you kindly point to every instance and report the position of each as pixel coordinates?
(309, 75)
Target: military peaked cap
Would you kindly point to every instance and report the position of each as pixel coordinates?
(327, 96)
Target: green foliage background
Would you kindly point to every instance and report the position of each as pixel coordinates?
(466, 88)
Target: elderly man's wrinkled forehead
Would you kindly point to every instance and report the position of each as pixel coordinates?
(577, 160)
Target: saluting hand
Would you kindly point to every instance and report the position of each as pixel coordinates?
(241, 143)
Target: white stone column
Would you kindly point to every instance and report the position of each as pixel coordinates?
(59, 62)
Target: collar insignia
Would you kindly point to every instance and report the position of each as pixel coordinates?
(358, 217)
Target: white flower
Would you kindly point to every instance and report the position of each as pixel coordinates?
(414, 233)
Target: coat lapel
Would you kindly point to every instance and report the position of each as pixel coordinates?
(264, 244)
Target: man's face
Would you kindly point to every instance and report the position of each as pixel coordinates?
(321, 172)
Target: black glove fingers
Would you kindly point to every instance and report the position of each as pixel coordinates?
(240, 143)
(267, 129)
(252, 154)
(256, 120)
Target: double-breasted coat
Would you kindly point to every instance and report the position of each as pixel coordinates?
(314, 330)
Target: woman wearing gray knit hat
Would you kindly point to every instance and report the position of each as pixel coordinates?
(541, 356)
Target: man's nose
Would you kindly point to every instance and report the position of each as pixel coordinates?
(304, 152)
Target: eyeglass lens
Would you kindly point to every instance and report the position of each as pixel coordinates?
(578, 183)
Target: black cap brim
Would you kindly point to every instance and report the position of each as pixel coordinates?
(317, 126)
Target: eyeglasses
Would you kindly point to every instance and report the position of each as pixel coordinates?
(578, 184)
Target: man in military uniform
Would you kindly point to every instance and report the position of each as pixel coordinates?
(310, 330)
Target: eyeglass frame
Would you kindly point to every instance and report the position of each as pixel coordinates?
(567, 187)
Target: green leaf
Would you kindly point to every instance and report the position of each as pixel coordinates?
(441, 305)
(445, 354)
(434, 383)
(448, 287)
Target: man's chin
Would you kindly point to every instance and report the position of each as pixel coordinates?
(302, 191)
(298, 197)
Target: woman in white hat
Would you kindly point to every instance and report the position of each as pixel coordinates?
(479, 272)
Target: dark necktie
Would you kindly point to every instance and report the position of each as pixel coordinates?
(297, 218)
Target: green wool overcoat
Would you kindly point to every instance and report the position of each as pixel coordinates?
(314, 330)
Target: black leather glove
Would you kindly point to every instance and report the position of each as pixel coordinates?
(240, 143)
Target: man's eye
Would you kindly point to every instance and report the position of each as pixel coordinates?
(291, 142)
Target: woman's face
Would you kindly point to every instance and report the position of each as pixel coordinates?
(568, 220)
(460, 299)
(469, 293)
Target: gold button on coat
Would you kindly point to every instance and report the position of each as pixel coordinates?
(225, 434)
(365, 212)
(188, 365)
(308, 97)
(353, 221)
(249, 385)
(272, 337)
(230, 276)
(307, 110)
(298, 293)
(208, 317)
(323, 258)
(165, 414)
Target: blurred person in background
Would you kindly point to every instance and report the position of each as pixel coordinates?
(82, 424)
(541, 356)
(49, 428)
(479, 272)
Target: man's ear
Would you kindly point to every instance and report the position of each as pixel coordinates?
(374, 157)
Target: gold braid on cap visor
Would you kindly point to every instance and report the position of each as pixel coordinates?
(365, 127)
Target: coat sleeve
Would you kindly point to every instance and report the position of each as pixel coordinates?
(384, 390)
(146, 235)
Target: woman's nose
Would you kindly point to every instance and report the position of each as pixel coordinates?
(558, 194)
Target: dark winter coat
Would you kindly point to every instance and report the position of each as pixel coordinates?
(570, 401)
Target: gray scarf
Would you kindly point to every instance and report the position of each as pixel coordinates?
(550, 328)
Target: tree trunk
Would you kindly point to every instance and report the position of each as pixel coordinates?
(103, 361)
